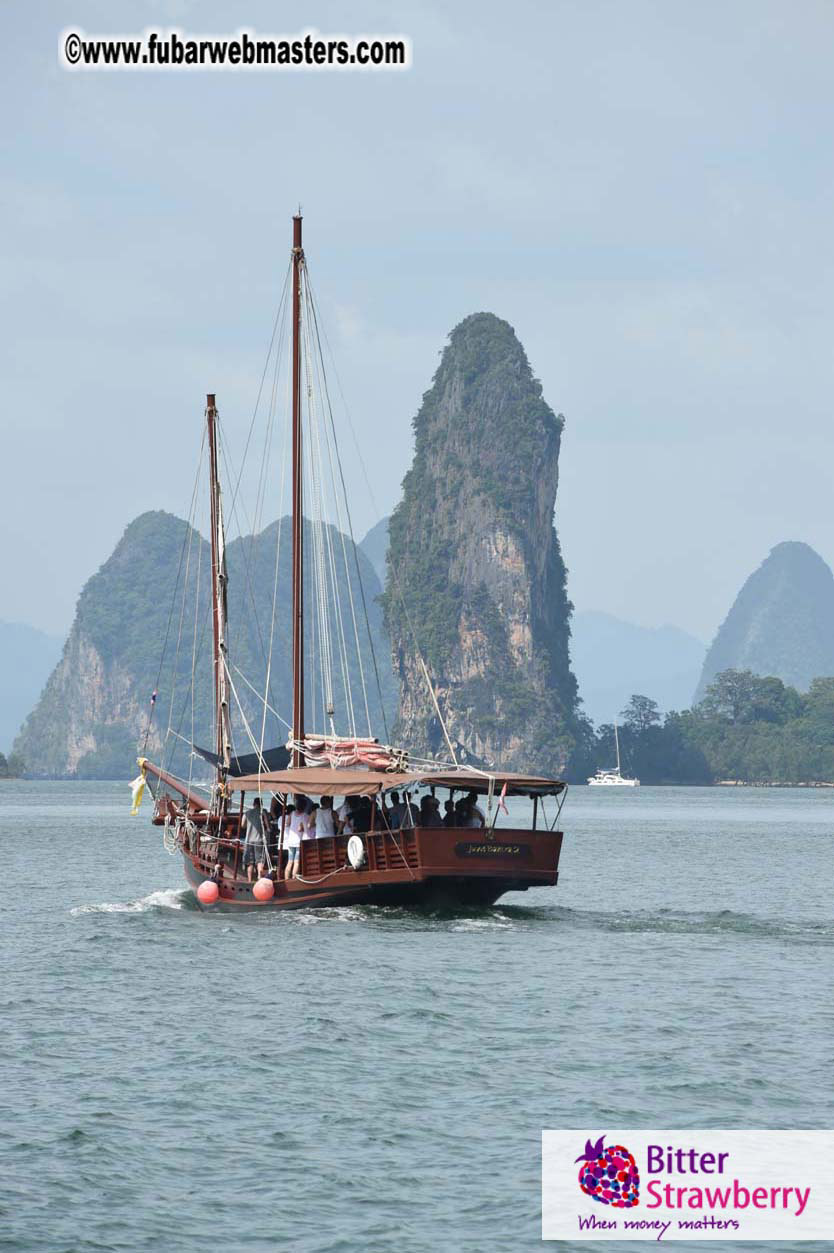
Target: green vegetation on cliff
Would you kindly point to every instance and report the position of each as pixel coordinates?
(476, 583)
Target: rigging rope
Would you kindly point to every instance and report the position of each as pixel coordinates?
(278, 325)
(319, 571)
(348, 580)
(182, 609)
(391, 567)
(275, 583)
(261, 698)
(313, 305)
(185, 540)
(194, 659)
(246, 727)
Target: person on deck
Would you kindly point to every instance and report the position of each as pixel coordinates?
(394, 812)
(449, 817)
(362, 815)
(467, 815)
(346, 814)
(469, 805)
(298, 830)
(325, 818)
(292, 844)
(274, 822)
(254, 847)
(430, 812)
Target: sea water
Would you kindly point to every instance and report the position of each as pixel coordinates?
(377, 1079)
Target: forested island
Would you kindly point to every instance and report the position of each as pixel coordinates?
(746, 729)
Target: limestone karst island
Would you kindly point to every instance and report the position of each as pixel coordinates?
(466, 577)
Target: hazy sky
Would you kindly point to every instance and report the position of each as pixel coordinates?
(644, 190)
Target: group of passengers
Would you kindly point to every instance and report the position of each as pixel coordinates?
(406, 813)
(266, 833)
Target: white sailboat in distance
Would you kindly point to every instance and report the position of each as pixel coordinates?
(612, 778)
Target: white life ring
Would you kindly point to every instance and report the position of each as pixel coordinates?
(356, 852)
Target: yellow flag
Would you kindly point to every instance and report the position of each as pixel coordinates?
(137, 790)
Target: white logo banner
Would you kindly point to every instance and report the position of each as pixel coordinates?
(687, 1185)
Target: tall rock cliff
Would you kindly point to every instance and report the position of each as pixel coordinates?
(476, 581)
(156, 586)
(781, 623)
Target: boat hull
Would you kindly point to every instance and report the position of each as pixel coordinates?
(613, 783)
(425, 868)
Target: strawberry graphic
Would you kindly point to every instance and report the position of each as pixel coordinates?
(609, 1175)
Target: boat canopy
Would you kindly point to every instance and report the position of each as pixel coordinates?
(323, 781)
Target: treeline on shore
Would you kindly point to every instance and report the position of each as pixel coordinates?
(747, 729)
(12, 767)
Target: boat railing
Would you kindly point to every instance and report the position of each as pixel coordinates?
(385, 850)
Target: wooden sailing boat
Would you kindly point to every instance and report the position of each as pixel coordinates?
(412, 859)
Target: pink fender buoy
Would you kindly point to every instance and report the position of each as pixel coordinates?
(263, 890)
(208, 892)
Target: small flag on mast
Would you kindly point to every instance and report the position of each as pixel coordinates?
(501, 801)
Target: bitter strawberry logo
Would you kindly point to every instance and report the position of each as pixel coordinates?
(609, 1175)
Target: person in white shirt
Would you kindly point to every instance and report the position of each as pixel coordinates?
(292, 840)
(476, 809)
(325, 819)
(346, 813)
(470, 803)
(298, 830)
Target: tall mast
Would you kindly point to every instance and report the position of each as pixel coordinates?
(223, 737)
(617, 742)
(297, 502)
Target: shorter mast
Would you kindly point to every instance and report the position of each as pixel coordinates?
(222, 721)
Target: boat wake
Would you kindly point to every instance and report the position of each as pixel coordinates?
(461, 919)
(682, 922)
(494, 921)
(164, 899)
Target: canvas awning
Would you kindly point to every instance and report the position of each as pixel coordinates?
(478, 781)
(271, 758)
(324, 781)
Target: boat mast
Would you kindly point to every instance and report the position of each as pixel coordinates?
(297, 502)
(617, 742)
(223, 736)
